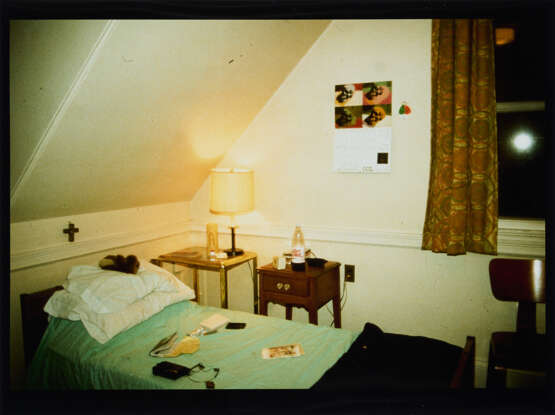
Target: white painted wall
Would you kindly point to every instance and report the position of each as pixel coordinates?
(371, 221)
(45, 59)
(290, 143)
(114, 114)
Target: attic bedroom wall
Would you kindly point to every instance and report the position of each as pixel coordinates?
(354, 219)
(39, 82)
(115, 125)
(115, 114)
(373, 221)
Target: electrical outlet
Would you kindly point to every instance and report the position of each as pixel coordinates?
(349, 273)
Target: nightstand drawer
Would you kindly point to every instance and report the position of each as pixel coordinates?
(283, 285)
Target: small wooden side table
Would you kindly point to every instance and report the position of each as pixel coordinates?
(311, 289)
(199, 258)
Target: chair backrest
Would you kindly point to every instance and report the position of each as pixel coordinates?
(520, 280)
(34, 320)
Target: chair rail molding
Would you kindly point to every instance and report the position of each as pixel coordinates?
(34, 257)
(515, 237)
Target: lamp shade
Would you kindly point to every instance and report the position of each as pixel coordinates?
(231, 191)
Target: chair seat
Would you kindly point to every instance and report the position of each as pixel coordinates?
(524, 351)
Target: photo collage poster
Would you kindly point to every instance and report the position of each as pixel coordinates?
(363, 122)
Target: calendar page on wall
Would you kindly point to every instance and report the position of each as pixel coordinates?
(362, 134)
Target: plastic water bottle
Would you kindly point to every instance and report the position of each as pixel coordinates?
(297, 250)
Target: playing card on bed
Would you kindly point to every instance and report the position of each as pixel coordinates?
(290, 350)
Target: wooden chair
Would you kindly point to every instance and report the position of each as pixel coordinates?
(34, 320)
(522, 281)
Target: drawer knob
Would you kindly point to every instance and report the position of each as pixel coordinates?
(279, 285)
(286, 287)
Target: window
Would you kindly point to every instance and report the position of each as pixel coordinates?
(520, 71)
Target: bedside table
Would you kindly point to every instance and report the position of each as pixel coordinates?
(198, 257)
(310, 289)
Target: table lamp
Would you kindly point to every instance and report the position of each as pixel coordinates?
(231, 193)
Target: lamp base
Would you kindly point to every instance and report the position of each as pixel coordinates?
(233, 252)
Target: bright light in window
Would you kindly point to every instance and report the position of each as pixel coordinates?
(523, 142)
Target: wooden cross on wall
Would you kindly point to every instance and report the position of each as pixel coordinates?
(71, 230)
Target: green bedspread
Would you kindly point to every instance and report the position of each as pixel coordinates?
(68, 358)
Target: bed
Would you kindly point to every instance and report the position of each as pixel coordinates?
(68, 357)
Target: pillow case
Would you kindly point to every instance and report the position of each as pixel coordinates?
(103, 326)
(167, 281)
(106, 291)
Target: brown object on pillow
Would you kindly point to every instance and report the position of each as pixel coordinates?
(129, 264)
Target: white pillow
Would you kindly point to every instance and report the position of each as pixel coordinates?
(103, 326)
(106, 291)
(167, 281)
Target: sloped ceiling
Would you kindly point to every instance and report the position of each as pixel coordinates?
(108, 115)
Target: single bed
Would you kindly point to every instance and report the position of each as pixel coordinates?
(68, 357)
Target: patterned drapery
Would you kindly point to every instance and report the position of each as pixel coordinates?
(462, 208)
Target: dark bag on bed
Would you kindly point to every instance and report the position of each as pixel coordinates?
(378, 360)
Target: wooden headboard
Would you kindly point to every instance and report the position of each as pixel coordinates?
(34, 319)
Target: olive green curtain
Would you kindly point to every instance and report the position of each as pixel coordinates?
(462, 208)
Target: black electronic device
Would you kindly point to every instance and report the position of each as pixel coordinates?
(170, 370)
(316, 262)
(233, 326)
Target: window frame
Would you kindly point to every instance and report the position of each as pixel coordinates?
(520, 106)
(521, 236)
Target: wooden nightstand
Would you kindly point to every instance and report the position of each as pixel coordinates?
(310, 289)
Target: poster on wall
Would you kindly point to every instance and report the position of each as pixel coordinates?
(362, 134)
